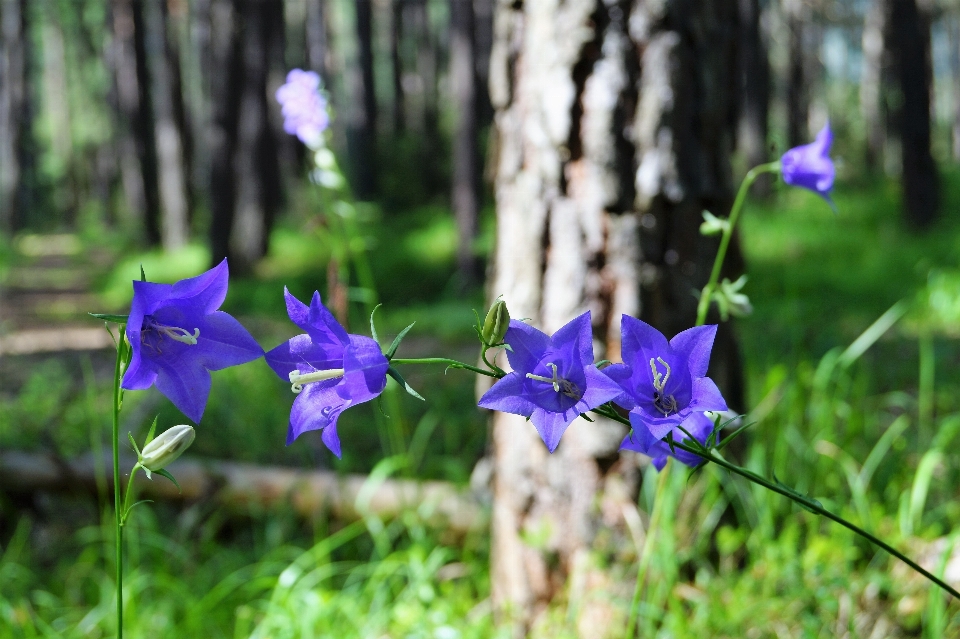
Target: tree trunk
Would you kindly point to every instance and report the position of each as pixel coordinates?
(168, 130)
(315, 25)
(614, 122)
(13, 109)
(910, 43)
(955, 72)
(142, 124)
(756, 90)
(466, 178)
(396, 65)
(363, 134)
(797, 89)
(871, 82)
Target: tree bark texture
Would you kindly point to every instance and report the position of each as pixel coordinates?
(164, 72)
(466, 152)
(798, 99)
(756, 87)
(141, 118)
(614, 125)
(909, 34)
(363, 126)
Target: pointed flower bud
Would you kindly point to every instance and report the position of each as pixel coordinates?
(496, 323)
(169, 445)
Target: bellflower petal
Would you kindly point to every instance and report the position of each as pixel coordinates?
(663, 383)
(177, 336)
(700, 425)
(329, 368)
(554, 379)
(809, 166)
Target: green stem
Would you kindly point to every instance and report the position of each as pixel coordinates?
(452, 363)
(129, 494)
(645, 555)
(806, 502)
(748, 181)
(116, 479)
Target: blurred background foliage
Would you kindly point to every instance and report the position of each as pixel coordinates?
(90, 191)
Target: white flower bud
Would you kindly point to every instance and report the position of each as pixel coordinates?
(169, 445)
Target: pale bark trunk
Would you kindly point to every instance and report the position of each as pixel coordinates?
(614, 126)
(955, 72)
(466, 179)
(871, 82)
(315, 25)
(13, 108)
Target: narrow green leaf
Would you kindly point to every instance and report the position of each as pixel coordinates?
(166, 473)
(109, 317)
(143, 276)
(153, 429)
(392, 372)
(373, 329)
(126, 513)
(133, 443)
(396, 342)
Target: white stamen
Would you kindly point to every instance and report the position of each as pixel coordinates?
(179, 334)
(297, 380)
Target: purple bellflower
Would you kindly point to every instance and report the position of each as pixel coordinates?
(329, 370)
(177, 336)
(304, 108)
(662, 382)
(640, 440)
(809, 166)
(554, 379)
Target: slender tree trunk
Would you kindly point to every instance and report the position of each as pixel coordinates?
(466, 177)
(168, 131)
(483, 41)
(614, 126)
(255, 156)
(364, 124)
(396, 64)
(955, 72)
(910, 39)
(225, 101)
(797, 90)
(144, 131)
(13, 108)
(756, 89)
(316, 36)
(871, 82)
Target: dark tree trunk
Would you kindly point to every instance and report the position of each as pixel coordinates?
(756, 88)
(615, 122)
(142, 124)
(955, 72)
(483, 41)
(363, 132)
(315, 25)
(910, 43)
(797, 90)
(396, 64)
(166, 92)
(15, 121)
(466, 177)
(225, 100)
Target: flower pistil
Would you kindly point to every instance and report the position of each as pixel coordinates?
(666, 404)
(298, 379)
(560, 385)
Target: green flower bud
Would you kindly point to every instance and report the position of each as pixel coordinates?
(496, 323)
(169, 445)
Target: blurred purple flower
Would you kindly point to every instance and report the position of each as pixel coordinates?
(329, 370)
(304, 108)
(554, 379)
(640, 440)
(664, 383)
(177, 336)
(809, 166)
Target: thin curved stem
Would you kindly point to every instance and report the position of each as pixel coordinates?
(116, 479)
(806, 502)
(748, 180)
(452, 363)
(129, 494)
(645, 556)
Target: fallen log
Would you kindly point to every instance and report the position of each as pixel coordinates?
(248, 487)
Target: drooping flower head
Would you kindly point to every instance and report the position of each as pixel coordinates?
(177, 336)
(304, 107)
(662, 383)
(700, 425)
(554, 379)
(809, 166)
(329, 370)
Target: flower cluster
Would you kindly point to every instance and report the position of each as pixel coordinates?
(304, 107)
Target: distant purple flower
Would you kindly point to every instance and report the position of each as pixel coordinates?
(329, 370)
(640, 440)
(304, 108)
(664, 383)
(177, 336)
(809, 166)
(554, 379)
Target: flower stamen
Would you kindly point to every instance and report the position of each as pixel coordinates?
(560, 385)
(664, 403)
(298, 379)
(176, 333)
